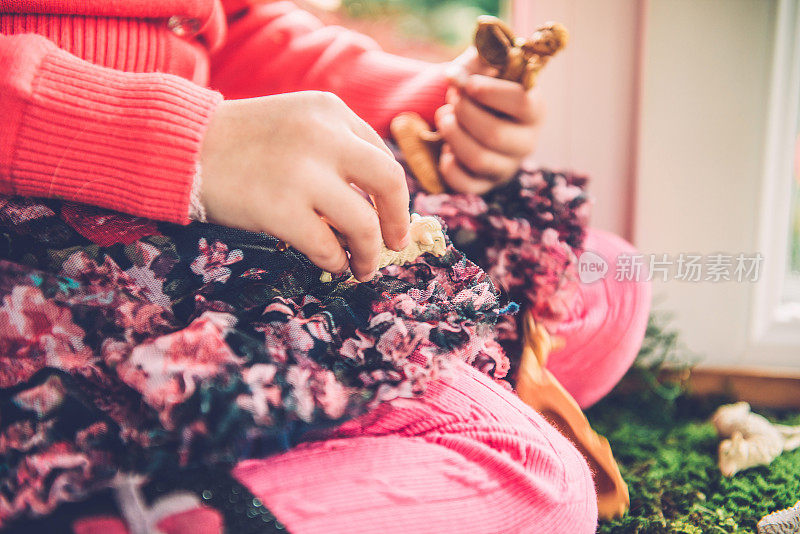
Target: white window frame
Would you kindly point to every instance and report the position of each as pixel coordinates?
(775, 334)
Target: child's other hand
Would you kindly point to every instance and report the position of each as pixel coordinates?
(279, 164)
(489, 126)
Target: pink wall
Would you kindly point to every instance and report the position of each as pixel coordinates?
(591, 92)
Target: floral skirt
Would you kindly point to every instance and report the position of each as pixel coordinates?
(133, 346)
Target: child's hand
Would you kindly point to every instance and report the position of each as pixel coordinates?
(278, 164)
(489, 126)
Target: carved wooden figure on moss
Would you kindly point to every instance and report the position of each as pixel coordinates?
(516, 59)
(750, 439)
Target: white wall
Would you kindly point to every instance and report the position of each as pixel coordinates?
(591, 90)
(701, 156)
(667, 104)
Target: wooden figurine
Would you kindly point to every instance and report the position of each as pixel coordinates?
(516, 59)
(750, 439)
(427, 236)
(539, 389)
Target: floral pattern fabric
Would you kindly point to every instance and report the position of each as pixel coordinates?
(135, 345)
(128, 345)
(527, 235)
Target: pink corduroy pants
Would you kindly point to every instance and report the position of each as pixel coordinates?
(468, 456)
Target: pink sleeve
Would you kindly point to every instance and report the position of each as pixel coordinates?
(84, 133)
(277, 48)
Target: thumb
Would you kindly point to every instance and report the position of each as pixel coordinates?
(469, 62)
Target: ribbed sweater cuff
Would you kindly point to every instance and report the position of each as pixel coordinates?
(124, 141)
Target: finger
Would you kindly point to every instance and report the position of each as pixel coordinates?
(357, 125)
(457, 178)
(362, 129)
(357, 220)
(507, 97)
(470, 153)
(494, 132)
(469, 62)
(384, 179)
(314, 238)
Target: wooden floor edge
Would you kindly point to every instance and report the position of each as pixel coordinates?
(761, 388)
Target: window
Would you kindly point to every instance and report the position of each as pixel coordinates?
(791, 290)
(777, 311)
(713, 180)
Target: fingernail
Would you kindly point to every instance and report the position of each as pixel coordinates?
(447, 115)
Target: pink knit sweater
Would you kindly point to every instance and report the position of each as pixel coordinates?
(105, 102)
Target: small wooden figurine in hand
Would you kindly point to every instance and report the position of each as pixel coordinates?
(427, 236)
(516, 59)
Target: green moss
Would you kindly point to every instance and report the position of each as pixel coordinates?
(667, 453)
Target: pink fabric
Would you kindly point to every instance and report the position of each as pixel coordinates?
(277, 48)
(201, 520)
(605, 330)
(198, 521)
(72, 130)
(99, 525)
(466, 457)
(104, 102)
